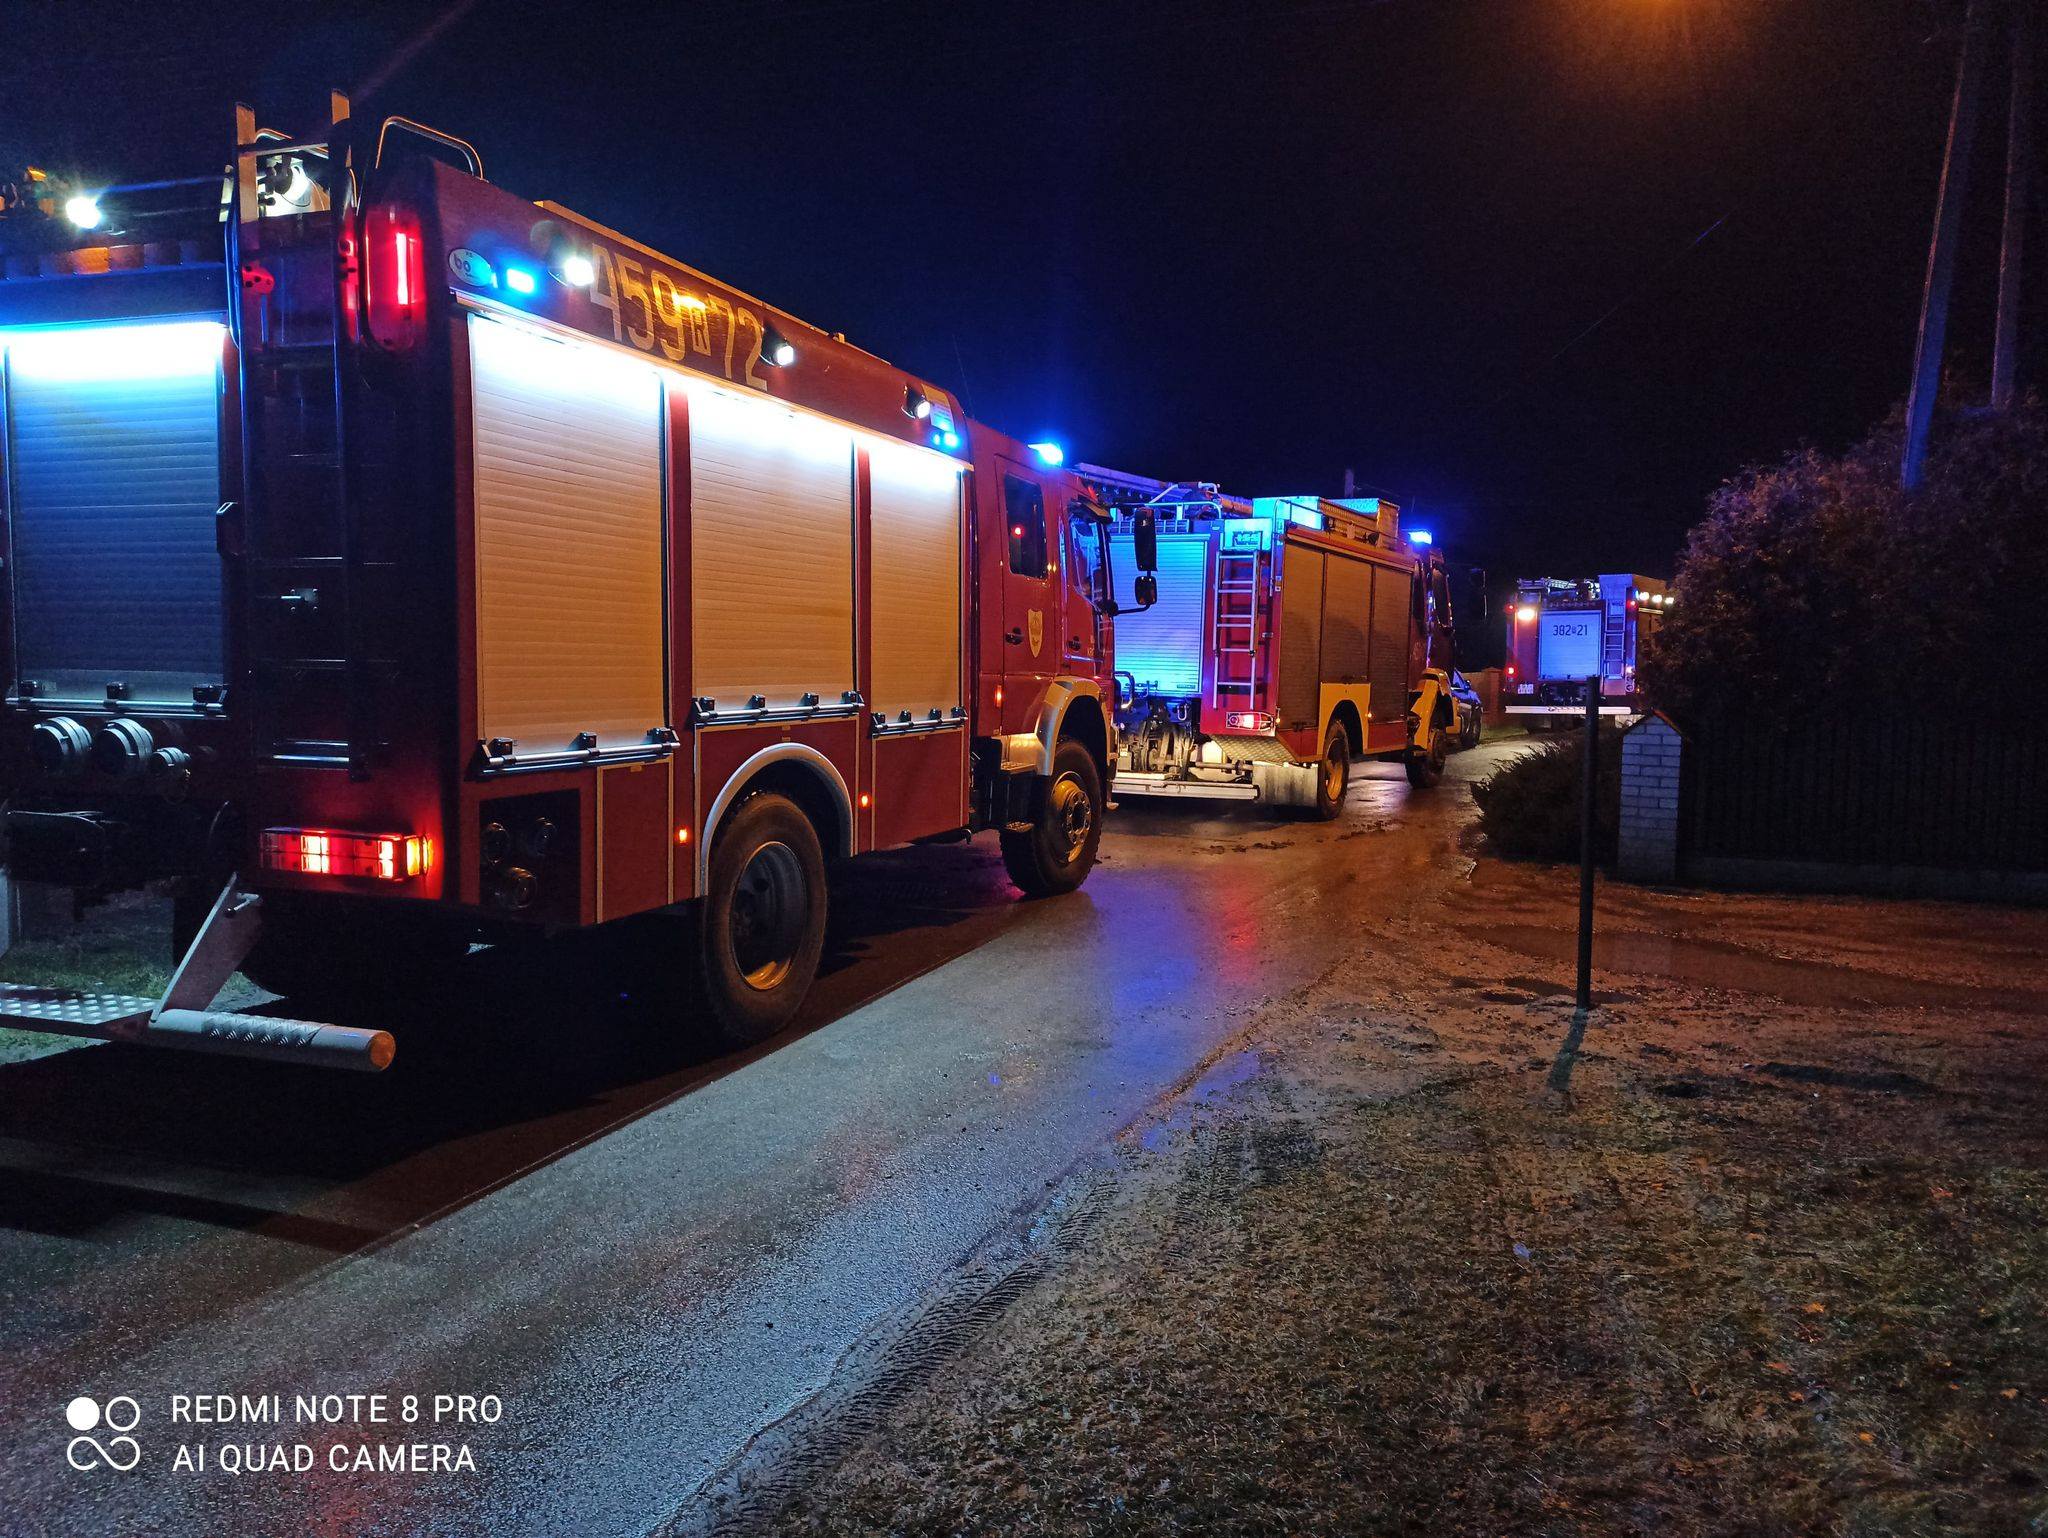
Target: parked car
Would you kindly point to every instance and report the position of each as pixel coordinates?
(1471, 712)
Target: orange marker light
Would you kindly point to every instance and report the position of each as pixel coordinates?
(863, 798)
(682, 835)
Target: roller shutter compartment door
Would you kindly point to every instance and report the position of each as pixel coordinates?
(1392, 593)
(1347, 610)
(1161, 647)
(914, 526)
(569, 554)
(1299, 705)
(771, 551)
(113, 468)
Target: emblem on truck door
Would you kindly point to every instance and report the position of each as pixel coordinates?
(1036, 620)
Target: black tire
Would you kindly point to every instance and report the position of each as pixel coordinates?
(1057, 851)
(761, 926)
(1333, 774)
(1477, 731)
(1425, 769)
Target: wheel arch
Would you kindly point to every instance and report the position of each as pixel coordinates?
(1084, 722)
(1346, 715)
(795, 770)
(1057, 707)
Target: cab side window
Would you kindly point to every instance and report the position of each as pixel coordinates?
(1025, 504)
(1086, 569)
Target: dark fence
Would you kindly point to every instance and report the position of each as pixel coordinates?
(1947, 790)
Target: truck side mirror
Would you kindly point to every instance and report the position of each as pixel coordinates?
(1145, 541)
(1145, 589)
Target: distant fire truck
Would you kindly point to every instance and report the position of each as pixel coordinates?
(1290, 636)
(392, 562)
(1561, 633)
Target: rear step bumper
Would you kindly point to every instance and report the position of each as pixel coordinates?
(183, 1017)
(1131, 782)
(128, 1017)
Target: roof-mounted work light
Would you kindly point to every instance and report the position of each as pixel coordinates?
(577, 270)
(916, 404)
(1049, 453)
(776, 349)
(83, 210)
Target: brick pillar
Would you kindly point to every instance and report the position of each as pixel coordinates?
(1650, 756)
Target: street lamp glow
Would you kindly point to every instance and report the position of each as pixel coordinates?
(83, 210)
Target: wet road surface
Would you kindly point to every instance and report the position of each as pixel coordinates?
(646, 1252)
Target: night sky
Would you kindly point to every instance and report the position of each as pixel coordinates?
(1253, 243)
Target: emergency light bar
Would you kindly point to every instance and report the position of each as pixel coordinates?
(328, 852)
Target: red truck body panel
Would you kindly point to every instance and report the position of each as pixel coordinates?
(374, 714)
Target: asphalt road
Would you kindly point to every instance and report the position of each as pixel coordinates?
(646, 1253)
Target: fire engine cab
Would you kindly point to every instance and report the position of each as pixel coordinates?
(393, 563)
(1290, 636)
(1563, 632)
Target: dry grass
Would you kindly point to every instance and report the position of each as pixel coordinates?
(1758, 1271)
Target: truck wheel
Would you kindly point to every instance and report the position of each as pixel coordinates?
(1425, 769)
(1333, 774)
(1056, 852)
(762, 925)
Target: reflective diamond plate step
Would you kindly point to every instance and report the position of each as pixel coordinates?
(91, 1013)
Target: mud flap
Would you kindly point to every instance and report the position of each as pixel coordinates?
(1285, 784)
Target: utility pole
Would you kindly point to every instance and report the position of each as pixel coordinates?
(1941, 250)
(2019, 185)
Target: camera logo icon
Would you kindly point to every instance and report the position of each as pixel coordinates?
(120, 1451)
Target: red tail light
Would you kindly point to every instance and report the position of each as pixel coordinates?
(394, 275)
(1248, 721)
(329, 852)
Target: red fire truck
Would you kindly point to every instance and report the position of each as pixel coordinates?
(1561, 633)
(393, 563)
(1290, 636)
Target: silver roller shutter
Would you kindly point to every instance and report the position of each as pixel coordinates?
(113, 467)
(571, 633)
(771, 550)
(1161, 647)
(914, 523)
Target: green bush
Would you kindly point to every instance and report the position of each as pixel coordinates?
(1529, 807)
(1820, 580)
